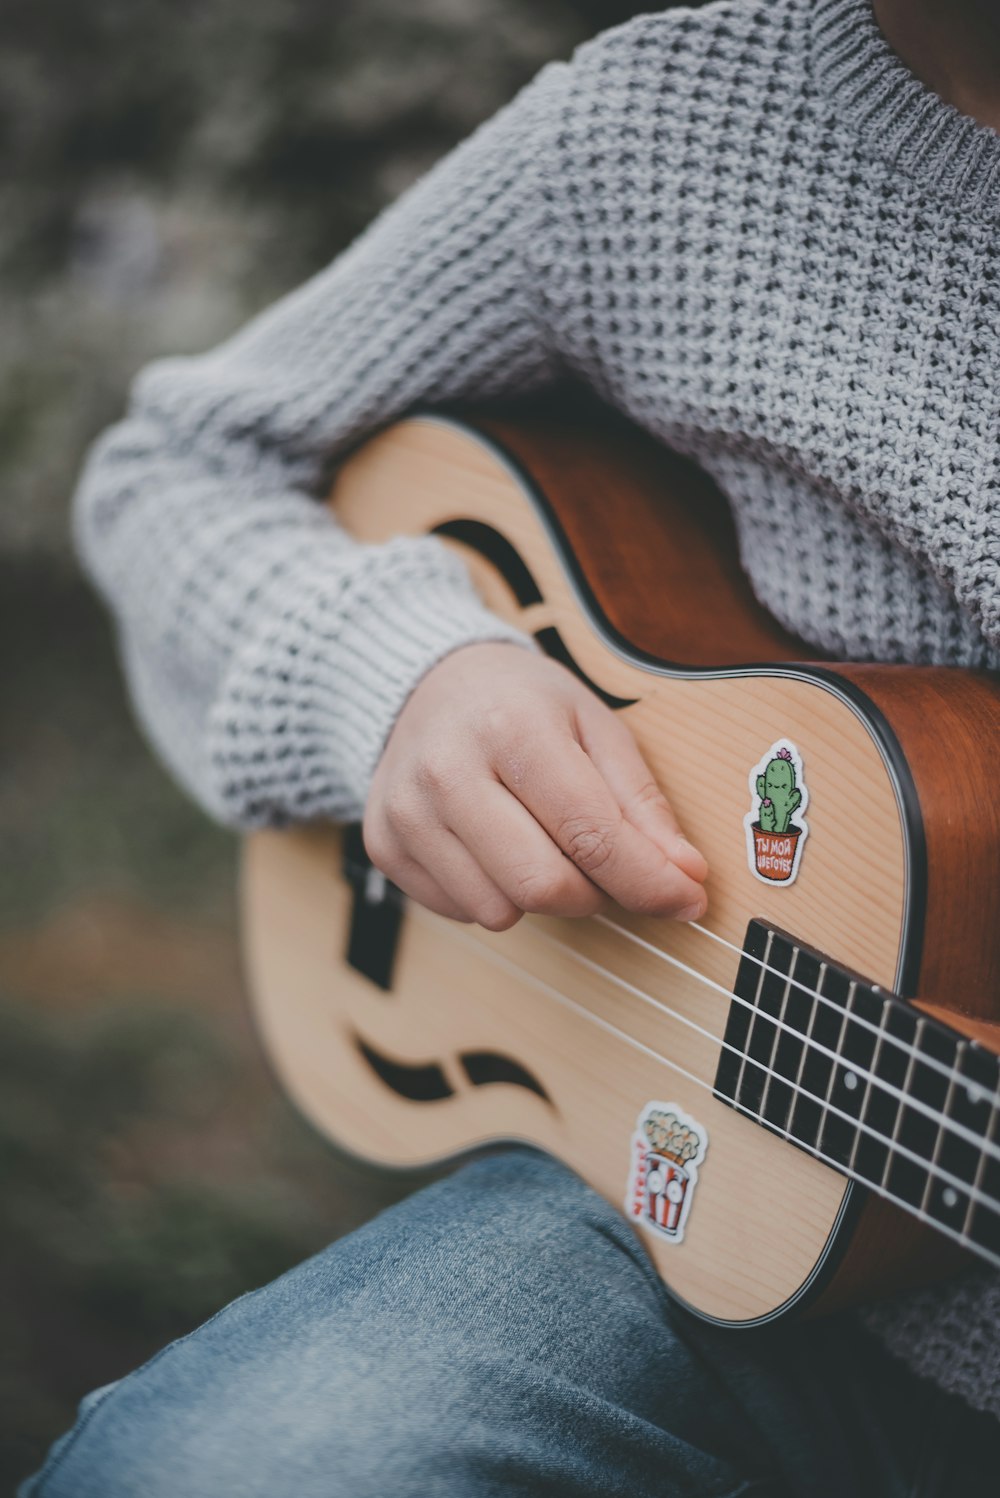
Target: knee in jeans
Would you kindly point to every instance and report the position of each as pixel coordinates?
(376, 1358)
(375, 1403)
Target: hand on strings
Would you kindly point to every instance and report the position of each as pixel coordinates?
(506, 787)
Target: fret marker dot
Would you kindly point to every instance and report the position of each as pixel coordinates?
(975, 1094)
(949, 1196)
(850, 1080)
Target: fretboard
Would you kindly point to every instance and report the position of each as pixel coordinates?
(866, 1082)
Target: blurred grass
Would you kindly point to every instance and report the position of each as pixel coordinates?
(82, 807)
(150, 1168)
(149, 1177)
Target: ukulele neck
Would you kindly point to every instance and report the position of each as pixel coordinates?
(867, 1083)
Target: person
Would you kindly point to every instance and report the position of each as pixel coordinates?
(766, 231)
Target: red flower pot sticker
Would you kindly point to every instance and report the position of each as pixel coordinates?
(775, 825)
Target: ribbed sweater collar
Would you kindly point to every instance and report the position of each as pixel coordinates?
(903, 119)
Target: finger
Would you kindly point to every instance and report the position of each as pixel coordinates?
(613, 749)
(564, 791)
(406, 873)
(453, 868)
(418, 885)
(518, 855)
(404, 837)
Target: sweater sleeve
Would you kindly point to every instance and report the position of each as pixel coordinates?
(267, 652)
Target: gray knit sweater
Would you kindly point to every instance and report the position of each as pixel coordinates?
(751, 229)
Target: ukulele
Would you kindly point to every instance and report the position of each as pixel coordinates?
(796, 1101)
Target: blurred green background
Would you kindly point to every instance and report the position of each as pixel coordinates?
(166, 168)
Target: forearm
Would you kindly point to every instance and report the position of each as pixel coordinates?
(268, 653)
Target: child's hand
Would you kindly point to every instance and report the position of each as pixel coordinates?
(506, 786)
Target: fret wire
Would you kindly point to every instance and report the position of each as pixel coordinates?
(649, 999)
(939, 1141)
(896, 1040)
(868, 1085)
(755, 1008)
(848, 1004)
(959, 1234)
(980, 1171)
(901, 1111)
(817, 1046)
(797, 1084)
(779, 1021)
(566, 1001)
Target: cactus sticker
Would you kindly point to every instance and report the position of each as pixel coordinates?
(775, 825)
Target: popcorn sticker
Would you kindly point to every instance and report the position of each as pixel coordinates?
(775, 825)
(667, 1148)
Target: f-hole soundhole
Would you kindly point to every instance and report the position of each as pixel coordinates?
(508, 561)
(484, 1068)
(426, 1082)
(418, 1084)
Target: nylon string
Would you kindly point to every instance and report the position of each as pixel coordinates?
(976, 1196)
(982, 1094)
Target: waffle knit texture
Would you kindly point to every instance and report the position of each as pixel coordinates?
(750, 228)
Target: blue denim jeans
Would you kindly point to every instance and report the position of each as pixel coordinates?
(503, 1333)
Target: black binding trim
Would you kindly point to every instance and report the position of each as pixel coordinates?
(376, 913)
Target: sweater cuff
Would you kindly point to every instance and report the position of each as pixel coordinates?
(308, 705)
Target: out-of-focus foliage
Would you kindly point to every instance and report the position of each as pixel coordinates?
(167, 166)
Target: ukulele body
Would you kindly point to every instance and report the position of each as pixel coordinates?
(621, 560)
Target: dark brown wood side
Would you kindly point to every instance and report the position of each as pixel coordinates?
(890, 1252)
(652, 535)
(948, 726)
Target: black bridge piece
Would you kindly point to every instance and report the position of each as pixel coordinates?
(376, 915)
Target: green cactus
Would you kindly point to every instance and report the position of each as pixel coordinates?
(779, 795)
